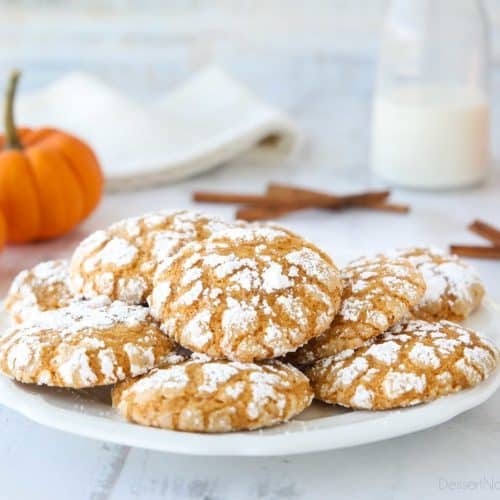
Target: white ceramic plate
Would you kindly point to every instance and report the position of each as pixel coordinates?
(320, 427)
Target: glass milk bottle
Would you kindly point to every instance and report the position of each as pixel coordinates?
(431, 105)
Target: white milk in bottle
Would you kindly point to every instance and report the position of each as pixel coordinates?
(430, 123)
(431, 136)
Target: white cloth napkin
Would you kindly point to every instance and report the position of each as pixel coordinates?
(207, 121)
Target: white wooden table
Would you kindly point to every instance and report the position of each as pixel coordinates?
(460, 459)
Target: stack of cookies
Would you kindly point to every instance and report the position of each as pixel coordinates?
(209, 326)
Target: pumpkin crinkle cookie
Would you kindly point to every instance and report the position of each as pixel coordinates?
(214, 396)
(414, 362)
(85, 344)
(44, 287)
(249, 293)
(378, 292)
(453, 287)
(120, 261)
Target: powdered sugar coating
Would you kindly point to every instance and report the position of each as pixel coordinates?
(453, 287)
(214, 396)
(44, 287)
(378, 292)
(120, 261)
(84, 344)
(416, 361)
(249, 293)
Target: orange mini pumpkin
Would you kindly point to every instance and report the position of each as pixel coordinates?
(49, 180)
(3, 231)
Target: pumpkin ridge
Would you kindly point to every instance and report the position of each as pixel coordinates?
(34, 183)
(19, 197)
(87, 207)
(3, 230)
(78, 183)
(59, 201)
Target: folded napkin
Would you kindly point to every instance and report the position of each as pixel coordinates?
(207, 121)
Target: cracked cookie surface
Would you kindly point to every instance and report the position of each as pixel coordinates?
(453, 288)
(214, 396)
(120, 261)
(44, 287)
(378, 292)
(85, 344)
(251, 293)
(414, 362)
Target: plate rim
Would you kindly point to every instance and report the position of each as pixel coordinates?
(390, 424)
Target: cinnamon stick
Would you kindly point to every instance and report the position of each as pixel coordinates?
(288, 200)
(212, 197)
(476, 251)
(487, 231)
(281, 199)
(294, 193)
(263, 201)
(253, 213)
(396, 208)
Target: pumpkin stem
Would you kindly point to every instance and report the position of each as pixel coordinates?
(11, 138)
